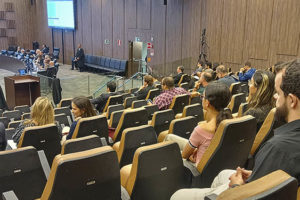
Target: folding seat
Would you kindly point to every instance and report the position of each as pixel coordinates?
(95, 60)
(96, 125)
(245, 88)
(99, 60)
(128, 101)
(12, 115)
(228, 149)
(130, 118)
(152, 94)
(184, 86)
(112, 63)
(9, 132)
(115, 118)
(182, 127)
(125, 95)
(56, 52)
(242, 109)
(131, 140)
(14, 124)
(158, 86)
(1, 111)
(183, 79)
(151, 109)
(23, 109)
(22, 172)
(117, 64)
(276, 185)
(194, 110)
(86, 58)
(25, 116)
(113, 108)
(82, 144)
(196, 99)
(64, 110)
(236, 101)
(235, 88)
(5, 121)
(107, 62)
(113, 100)
(179, 102)
(156, 172)
(63, 120)
(161, 120)
(138, 104)
(65, 103)
(133, 90)
(45, 138)
(123, 65)
(102, 62)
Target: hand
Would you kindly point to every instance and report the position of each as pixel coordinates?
(245, 173)
(236, 178)
(242, 70)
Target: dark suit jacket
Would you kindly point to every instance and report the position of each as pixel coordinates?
(100, 101)
(177, 78)
(142, 94)
(80, 56)
(3, 141)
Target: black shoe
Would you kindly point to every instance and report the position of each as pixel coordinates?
(72, 69)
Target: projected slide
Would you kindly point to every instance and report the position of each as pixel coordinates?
(60, 14)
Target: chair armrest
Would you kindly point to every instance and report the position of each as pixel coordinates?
(191, 167)
(211, 197)
(103, 141)
(9, 195)
(44, 163)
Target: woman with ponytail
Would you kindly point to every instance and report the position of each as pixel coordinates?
(215, 100)
(260, 99)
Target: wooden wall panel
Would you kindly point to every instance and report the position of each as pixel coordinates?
(119, 29)
(144, 14)
(131, 14)
(86, 25)
(107, 30)
(97, 42)
(68, 46)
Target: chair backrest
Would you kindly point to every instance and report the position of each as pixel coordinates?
(245, 88)
(84, 175)
(96, 125)
(14, 114)
(196, 99)
(138, 103)
(183, 127)
(151, 109)
(9, 132)
(113, 100)
(65, 103)
(113, 108)
(25, 116)
(233, 137)
(242, 109)
(179, 102)
(132, 139)
(276, 185)
(14, 124)
(63, 119)
(235, 88)
(194, 110)
(157, 172)
(5, 121)
(22, 172)
(81, 144)
(236, 101)
(64, 110)
(130, 118)
(153, 93)
(128, 101)
(185, 86)
(161, 120)
(125, 95)
(1, 111)
(23, 109)
(133, 90)
(45, 138)
(115, 118)
(266, 131)
(182, 79)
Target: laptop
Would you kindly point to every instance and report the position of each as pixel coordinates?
(22, 72)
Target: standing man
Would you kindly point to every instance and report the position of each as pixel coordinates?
(78, 61)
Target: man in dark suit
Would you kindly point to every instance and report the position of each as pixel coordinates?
(100, 101)
(144, 89)
(78, 61)
(177, 78)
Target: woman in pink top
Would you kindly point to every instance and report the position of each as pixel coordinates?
(216, 98)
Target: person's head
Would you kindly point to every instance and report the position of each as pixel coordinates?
(47, 57)
(215, 65)
(180, 69)
(51, 63)
(261, 89)
(167, 83)
(47, 61)
(23, 51)
(221, 71)
(287, 94)
(247, 65)
(216, 98)
(37, 52)
(205, 78)
(82, 107)
(148, 80)
(279, 66)
(208, 65)
(19, 48)
(79, 46)
(42, 112)
(44, 46)
(111, 86)
(200, 64)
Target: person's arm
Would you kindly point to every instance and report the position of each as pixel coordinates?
(3, 140)
(188, 150)
(246, 76)
(72, 128)
(18, 133)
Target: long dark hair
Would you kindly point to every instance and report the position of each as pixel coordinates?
(218, 95)
(83, 103)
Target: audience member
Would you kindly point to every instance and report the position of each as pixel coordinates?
(208, 65)
(278, 153)
(164, 100)
(3, 141)
(223, 76)
(215, 65)
(144, 89)
(205, 78)
(100, 101)
(177, 78)
(41, 114)
(215, 100)
(261, 91)
(78, 61)
(200, 66)
(155, 80)
(45, 49)
(246, 72)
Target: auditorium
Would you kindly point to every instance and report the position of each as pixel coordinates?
(149, 99)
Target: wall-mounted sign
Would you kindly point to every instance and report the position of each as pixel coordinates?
(119, 42)
(152, 52)
(137, 39)
(149, 45)
(106, 41)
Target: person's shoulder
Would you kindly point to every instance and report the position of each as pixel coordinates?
(206, 128)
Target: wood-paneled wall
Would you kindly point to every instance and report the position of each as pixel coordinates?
(261, 31)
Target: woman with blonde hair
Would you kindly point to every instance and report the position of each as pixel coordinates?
(42, 113)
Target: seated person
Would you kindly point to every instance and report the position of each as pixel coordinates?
(208, 65)
(278, 153)
(205, 78)
(164, 100)
(81, 108)
(223, 76)
(3, 141)
(155, 80)
(41, 114)
(246, 72)
(197, 72)
(260, 99)
(177, 78)
(144, 89)
(100, 101)
(215, 100)
(45, 49)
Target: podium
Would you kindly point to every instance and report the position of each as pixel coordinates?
(21, 90)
